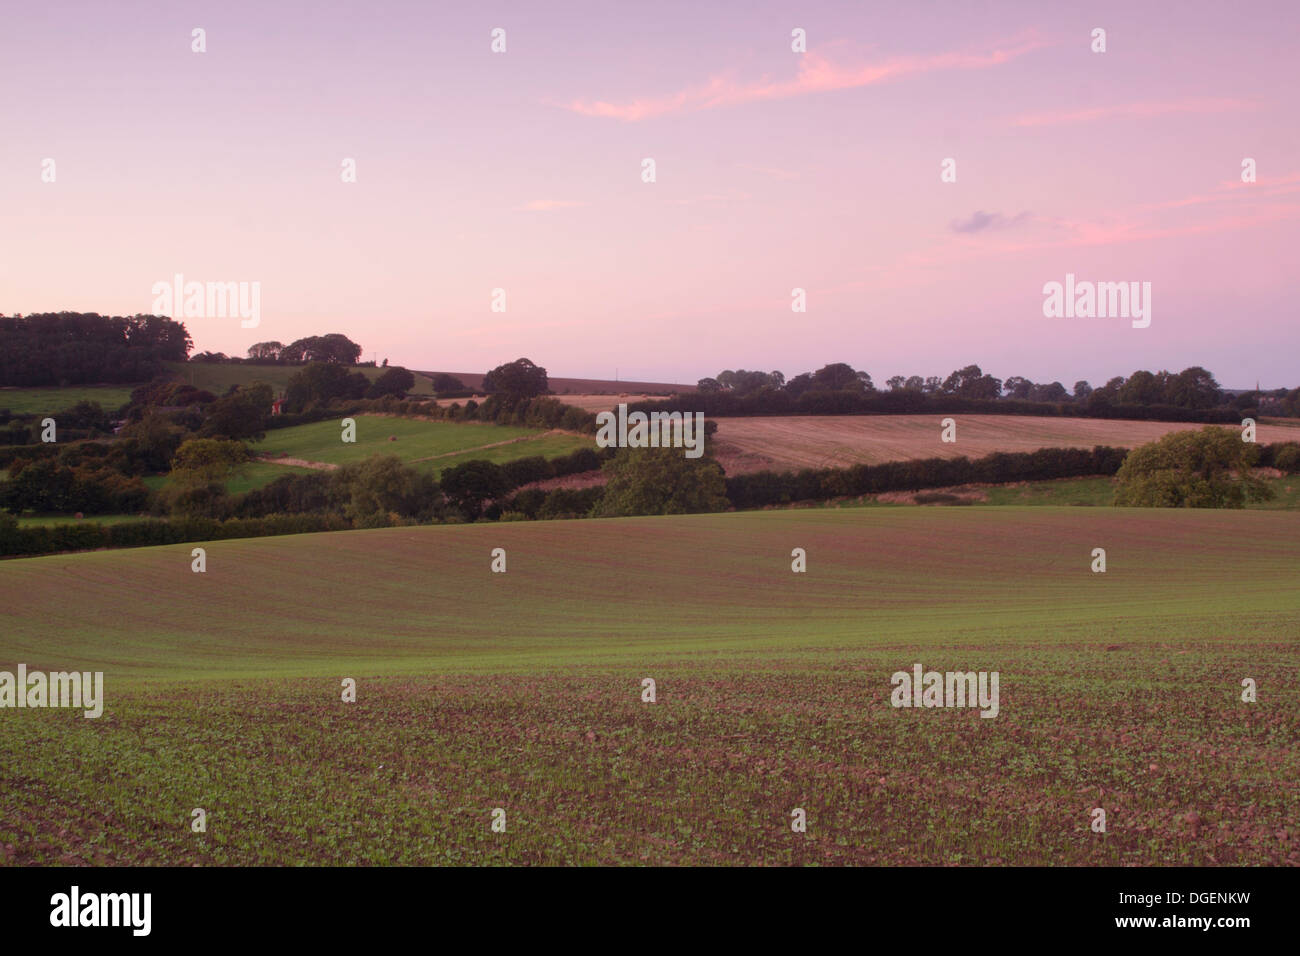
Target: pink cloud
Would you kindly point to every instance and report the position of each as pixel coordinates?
(1196, 105)
(816, 74)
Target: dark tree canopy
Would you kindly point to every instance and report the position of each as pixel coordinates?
(334, 347)
(516, 381)
(394, 381)
(75, 348)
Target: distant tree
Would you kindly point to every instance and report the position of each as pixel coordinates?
(516, 381)
(1210, 468)
(799, 384)
(1082, 390)
(971, 382)
(265, 352)
(840, 376)
(914, 383)
(469, 486)
(661, 481)
(1291, 404)
(381, 485)
(334, 347)
(896, 383)
(201, 461)
(1017, 386)
(708, 385)
(1141, 388)
(240, 414)
(1193, 388)
(1053, 392)
(442, 382)
(393, 381)
(933, 385)
(153, 440)
(322, 382)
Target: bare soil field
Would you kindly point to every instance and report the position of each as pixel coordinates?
(788, 443)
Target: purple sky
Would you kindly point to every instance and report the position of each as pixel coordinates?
(775, 170)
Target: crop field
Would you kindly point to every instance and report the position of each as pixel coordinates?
(1088, 492)
(523, 691)
(791, 442)
(436, 445)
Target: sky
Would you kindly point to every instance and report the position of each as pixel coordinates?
(774, 170)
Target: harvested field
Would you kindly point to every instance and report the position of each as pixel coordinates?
(788, 443)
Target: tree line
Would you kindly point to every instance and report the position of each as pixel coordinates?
(1190, 395)
(80, 348)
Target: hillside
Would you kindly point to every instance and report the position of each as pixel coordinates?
(523, 691)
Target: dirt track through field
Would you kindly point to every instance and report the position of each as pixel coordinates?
(788, 443)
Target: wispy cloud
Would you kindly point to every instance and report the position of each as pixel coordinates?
(1217, 104)
(816, 74)
(980, 220)
(546, 205)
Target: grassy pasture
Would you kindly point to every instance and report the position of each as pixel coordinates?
(788, 443)
(479, 690)
(41, 401)
(434, 444)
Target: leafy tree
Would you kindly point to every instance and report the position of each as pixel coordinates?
(202, 461)
(971, 382)
(516, 381)
(839, 376)
(470, 485)
(661, 481)
(1142, 388)
(914, 383)
(896, 383)
(265, 351)
(322, 382)
(381, 485)
(1082, 390)
(153, 440)
(799, 384)
(240, 414)
(334, 347)
(1192, 388)
(394, 381)
(71, 348)
(442, 382)
(1017, 386)
(1054, 392)
(1209, 468)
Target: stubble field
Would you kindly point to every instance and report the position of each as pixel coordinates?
(791, 442)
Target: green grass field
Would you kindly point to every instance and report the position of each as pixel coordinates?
(32, 521)
(42, 401)
(217, 378)
(253, 475)
(433, 444)
(522, 691)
